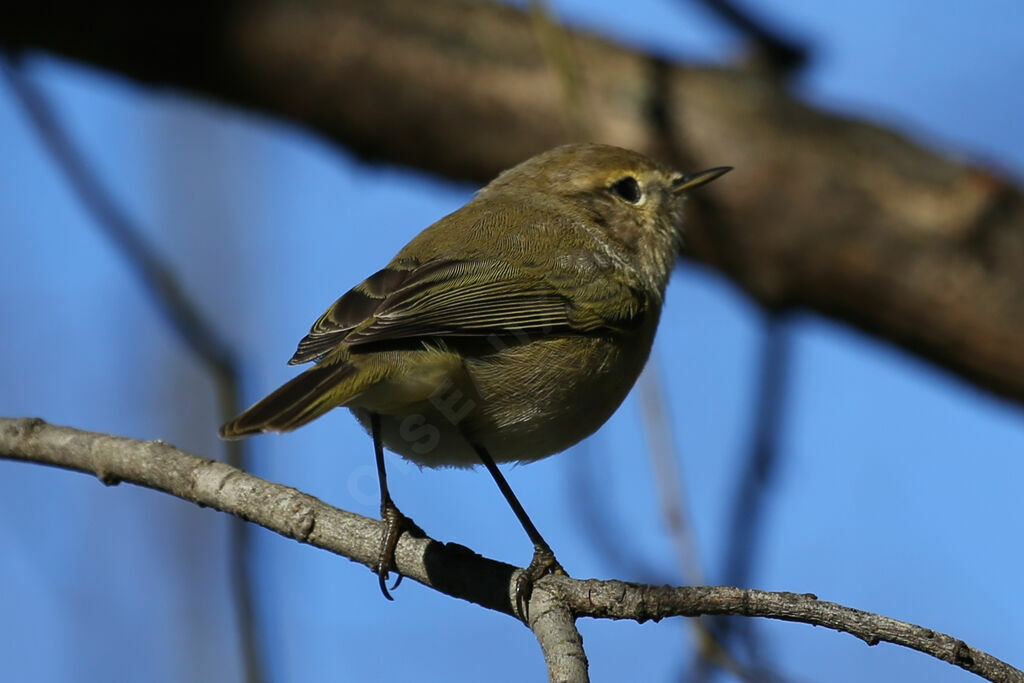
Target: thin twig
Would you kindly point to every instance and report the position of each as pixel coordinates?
(617, 600)
(183, 317)
(450, 569)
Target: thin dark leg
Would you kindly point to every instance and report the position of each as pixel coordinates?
(394, 521)
(544, 561)
(513, 502)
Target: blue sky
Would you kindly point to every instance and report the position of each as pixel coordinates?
(898, 490)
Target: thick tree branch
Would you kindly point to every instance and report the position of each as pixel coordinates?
(823, 212)
(450, 568)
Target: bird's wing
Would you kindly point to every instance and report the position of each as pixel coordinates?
(444, 298)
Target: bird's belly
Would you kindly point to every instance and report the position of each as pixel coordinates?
(521, 404)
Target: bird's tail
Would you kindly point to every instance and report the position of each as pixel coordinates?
(292, 405)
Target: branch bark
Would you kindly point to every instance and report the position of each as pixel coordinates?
(453, 569)
(823, 212)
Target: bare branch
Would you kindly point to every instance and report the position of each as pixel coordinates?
(620, 600)
(450, 568)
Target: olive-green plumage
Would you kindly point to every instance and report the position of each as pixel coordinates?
(517, 324)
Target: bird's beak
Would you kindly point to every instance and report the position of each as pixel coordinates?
(688, 182)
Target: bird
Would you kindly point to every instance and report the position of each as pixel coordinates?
(507, 331)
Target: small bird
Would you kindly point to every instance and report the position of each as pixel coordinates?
(507, 331)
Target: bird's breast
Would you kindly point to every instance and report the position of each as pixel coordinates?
(522, 402)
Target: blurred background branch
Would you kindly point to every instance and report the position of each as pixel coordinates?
(770, 48)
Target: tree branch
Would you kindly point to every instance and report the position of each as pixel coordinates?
(822, 212)
(450, 568)
(619, 600)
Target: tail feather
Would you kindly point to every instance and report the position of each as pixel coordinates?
(293, 404)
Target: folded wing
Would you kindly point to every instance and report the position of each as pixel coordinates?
(456, 298)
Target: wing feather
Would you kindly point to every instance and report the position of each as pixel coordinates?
(448, 298)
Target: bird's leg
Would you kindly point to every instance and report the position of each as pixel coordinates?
(543, 561)
(394, 521)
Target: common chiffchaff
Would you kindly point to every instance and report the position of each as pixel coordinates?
(506, 331)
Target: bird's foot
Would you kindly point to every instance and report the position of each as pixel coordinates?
(394, 524)
(542, 564)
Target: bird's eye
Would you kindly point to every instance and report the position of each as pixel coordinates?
(629, 189)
